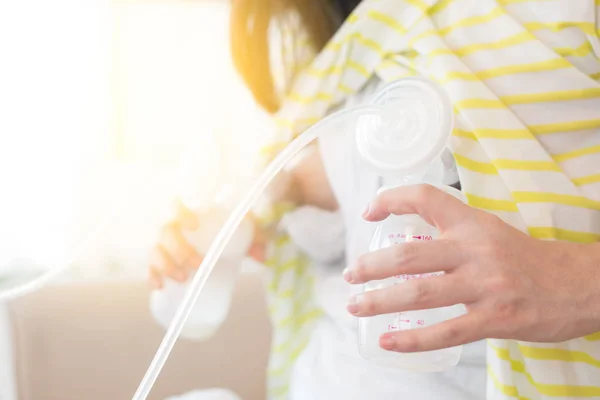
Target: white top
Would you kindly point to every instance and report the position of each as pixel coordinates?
(330, 367)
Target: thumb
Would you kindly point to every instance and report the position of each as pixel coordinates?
(258, 249)
(434, 205)
(184, 217)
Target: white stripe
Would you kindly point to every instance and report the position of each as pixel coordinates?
(555, 11)
(492, 118)
(527, 150)
(479, 181)
(487, 60)
(560, 111)
(588, 64)
(536, 82)
(589, 165)
(539, 181)
(462, 90)
(561, 216)
(559, 143)
(592, 191)
(458, 9)
(469, 148)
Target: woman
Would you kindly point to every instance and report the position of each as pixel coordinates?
(522, 76)
(328, 366)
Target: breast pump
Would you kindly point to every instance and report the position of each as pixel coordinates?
(200, 191)
(401, 135)
(405, 145)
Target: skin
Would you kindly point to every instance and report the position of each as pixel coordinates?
(514, 286)
(305, 184)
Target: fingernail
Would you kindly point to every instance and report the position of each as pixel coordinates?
(354, 304)
(365, 213)
(387, 342)
(347, 274)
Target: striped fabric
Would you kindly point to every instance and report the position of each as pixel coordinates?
(523, 79)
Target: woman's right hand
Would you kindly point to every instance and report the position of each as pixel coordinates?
(173, 257)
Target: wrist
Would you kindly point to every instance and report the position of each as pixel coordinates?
(591, 257)
(285, 189)
(587, 263)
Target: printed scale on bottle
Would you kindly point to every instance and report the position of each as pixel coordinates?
(404, 144)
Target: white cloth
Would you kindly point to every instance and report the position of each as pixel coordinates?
(330, 367)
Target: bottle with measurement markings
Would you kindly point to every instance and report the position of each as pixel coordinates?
(405, 145)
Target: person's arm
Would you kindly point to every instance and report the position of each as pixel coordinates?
(305, 183)
(514, 286)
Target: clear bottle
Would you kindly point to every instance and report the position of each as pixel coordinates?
(392, 231)
(212, 307)
(198, 191)
(406, 144)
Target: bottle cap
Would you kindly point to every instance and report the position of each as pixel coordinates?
(409, 128)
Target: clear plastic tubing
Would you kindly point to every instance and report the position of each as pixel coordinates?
(223, 237)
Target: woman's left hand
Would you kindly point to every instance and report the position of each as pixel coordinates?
(514, 286)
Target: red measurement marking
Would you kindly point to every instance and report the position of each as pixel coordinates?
(422, 237)
(421, 322)
(392, 328)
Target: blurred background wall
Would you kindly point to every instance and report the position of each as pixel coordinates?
(99, 99)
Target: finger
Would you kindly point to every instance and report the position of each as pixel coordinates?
(258, 252)
(260, 241)
(185, 217)
(435, 206)
(166, 266)
(182, 253)
(417, 294)
(462, 330)
(154, 278)
(193, 261)
(406, 258)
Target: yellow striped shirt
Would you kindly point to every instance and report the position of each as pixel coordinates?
(522, 77)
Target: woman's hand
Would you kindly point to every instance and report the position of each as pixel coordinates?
(514, 286)
(173, 256)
